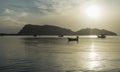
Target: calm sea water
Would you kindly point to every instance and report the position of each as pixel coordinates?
(54, 54)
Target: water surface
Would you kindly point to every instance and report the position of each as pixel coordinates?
(55, 54)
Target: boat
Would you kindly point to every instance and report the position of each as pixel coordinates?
(35, 35)
(60, 35)
(101, 36)
(73, 39)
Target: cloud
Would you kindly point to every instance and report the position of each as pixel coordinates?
(7, 21)
(57, 6)
(9, 11)
(42, 7)
(9, 25)
(23, 14)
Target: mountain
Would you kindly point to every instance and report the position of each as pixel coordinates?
(95, 31)
(30, 29)
(44, 30)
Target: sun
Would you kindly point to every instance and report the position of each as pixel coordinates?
(93, 11)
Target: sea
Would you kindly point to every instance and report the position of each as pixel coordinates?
(57, 54)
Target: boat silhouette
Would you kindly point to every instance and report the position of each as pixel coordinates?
(73, 39)
(101, 36)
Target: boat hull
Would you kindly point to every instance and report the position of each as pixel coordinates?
(73, 39)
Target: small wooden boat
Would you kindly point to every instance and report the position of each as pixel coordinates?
(35, 35)
(60, 35)
(101, 36)
(73, 39)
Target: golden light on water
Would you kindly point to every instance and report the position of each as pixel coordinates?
(93, 58)
(92, 36)
(93, 65)
(93, 11)
(93, 54)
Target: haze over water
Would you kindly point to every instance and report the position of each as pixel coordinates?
(54, 54)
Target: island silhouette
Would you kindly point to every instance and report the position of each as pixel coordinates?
(30, 29)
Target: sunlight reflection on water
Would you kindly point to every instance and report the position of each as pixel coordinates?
(94, 63)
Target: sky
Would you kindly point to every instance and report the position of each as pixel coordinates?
(14, 14)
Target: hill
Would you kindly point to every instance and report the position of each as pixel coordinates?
(44, 30)
(89, 31)
(30, 29)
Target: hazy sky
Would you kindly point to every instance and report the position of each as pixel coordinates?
(14, 14)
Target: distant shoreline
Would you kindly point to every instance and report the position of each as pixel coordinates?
(47, 35)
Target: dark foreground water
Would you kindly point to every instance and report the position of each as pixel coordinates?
(53, 54)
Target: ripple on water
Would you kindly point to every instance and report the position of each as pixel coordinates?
(81, 71)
